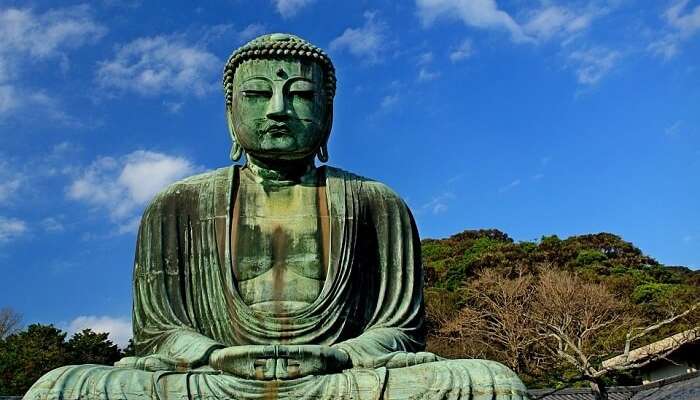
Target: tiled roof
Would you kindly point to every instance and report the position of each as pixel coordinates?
(655, 349)
(684, 387)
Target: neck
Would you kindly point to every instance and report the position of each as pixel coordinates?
(276, 170)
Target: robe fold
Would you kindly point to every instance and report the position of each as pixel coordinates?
(186, 305)
(185, 298)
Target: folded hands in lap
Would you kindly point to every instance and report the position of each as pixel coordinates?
(258, 362)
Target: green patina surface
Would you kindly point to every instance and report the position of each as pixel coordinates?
(278, 278)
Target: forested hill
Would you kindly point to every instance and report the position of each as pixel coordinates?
(485, 295)
(601, 257)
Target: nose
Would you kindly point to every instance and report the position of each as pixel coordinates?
(278, 108)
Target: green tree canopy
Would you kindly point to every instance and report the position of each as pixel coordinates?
(30, 353)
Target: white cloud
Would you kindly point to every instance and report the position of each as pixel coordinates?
(123, 185)
(425, 75)
(551, 21)
(22, 32)
(10, 182)
(686, 24)
(463, 51)
(366, 42)
(27, 37)
(9, 100)
(667, 47)
(11, 228)
(591, 65)
(14, 98)
(483, 14)
(548, 21)
(682, 26)
(289, 8)
(119, 328)
(160, 64)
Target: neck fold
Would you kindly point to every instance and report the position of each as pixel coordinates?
(280, 171)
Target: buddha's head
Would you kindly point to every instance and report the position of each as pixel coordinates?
(279, 98)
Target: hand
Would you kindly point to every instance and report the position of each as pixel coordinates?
(153, 362)
(303, 360)
(241, 360)
(278, 361)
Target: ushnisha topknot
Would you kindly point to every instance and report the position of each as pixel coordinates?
(278, 45)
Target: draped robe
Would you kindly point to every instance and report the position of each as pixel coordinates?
(186, 305)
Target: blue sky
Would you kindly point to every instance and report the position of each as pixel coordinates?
(533, 117)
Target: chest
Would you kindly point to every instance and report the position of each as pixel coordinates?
(279, 240)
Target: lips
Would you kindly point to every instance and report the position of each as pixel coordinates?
(277, 130)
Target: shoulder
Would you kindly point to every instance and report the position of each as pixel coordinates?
(370, 189)
(190, 188)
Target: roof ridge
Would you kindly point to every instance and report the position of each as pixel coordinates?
(617, 389)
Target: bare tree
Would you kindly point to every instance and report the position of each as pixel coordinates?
(551, 320)
(9, 321)
(581, 323)
(496, 317)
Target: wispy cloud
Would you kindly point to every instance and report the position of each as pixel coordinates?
(122, 185)
(674, 129)
(25, 33)
(462, 51)
(682, 24)
(52, 224)
(11, 228)
(119, 328)
(553, 21)
(484, 14)
(512, 185)
(592, 64)
(27, 37)
(290, 8)
(162, 64)
(389, 101)
(366, 42)
(549, 22)
(688, 23)
(425, 58)
(10, 182)
(251, 31)
(425, 75)
(439, 204)
(666, 47)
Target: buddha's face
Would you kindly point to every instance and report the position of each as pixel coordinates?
(279, 108)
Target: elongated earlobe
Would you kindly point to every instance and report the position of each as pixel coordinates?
(322, 153)
(236, 149)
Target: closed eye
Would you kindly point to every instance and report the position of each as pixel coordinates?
(256, 93)
(305, 94)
